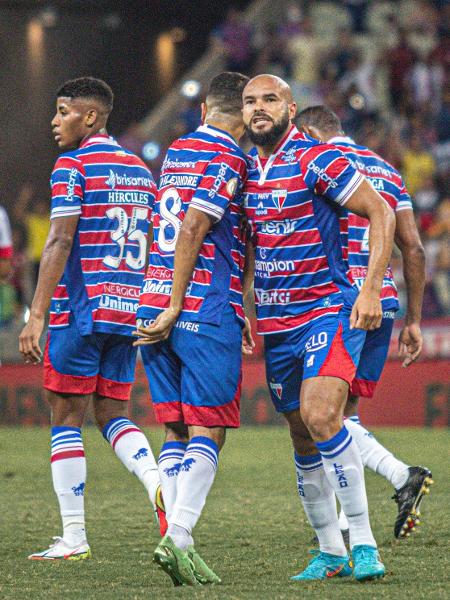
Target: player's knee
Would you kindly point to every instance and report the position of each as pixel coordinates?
(66, 410)
(322, 419)
(177, 432)
(104, 412)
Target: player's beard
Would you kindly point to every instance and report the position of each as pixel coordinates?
(271, 137)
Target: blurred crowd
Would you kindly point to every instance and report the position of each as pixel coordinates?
(382, 65)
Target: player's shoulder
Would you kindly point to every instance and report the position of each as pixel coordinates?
(208, 143)
(68, 160)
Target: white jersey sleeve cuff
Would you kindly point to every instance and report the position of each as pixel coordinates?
(207, 207)
(65, 211)
(350, 188)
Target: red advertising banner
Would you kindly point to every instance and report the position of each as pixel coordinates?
(417, 396)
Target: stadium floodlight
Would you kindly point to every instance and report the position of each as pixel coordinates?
(357, 101)
(190, 88)
(151, 150)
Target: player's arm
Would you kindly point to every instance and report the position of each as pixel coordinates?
(366, 202)
(247, 292)
(408, 240)
(193, 231)
(54, 257)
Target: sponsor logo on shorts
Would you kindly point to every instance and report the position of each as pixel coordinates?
(316, 342)
(342, 480)
(301, 489)
(188, 326)
(389, 314)
(310, 361)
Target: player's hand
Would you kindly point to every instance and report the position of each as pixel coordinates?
(247, 340)
(157, 331)
(410, 343)
(29, 340)
(367, 312)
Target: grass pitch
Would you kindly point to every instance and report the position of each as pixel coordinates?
(253, 531)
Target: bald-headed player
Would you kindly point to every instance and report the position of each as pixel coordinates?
(410, 483)
(90, 274)
(313, 320)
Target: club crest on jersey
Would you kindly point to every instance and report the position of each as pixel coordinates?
(277, 389)
(289, 156)
(279, 197)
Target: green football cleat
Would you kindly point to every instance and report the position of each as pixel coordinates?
(175, 562)
(202, 572)
(367, 563)
(325, 566)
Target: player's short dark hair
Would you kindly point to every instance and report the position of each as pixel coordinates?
(225, 91)
(88, 87)
(319, 116)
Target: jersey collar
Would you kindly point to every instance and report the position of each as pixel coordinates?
(341, 139)
(216, 132)
(99, 138)
(263, 171)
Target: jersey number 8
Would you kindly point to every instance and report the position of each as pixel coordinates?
(166, 240)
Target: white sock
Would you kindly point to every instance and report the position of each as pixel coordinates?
(132, 448)
(169, 463)
(343, 522)
(194, 481)
(374, 456)
(344, 470)
(319, 504)
(68, 465)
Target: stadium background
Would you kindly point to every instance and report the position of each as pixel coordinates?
(382, 65)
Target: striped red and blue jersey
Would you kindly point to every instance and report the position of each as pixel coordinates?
(389, 184)
(294, 202)
(113, 192)
(206, 170)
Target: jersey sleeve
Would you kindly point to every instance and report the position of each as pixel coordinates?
(404, 199)
(329, 173)
(5, 235)
(219, 184)
(67, 185)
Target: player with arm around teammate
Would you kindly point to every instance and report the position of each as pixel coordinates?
(313, 320)
(90, 275)
(410, 483)
(190, 316)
